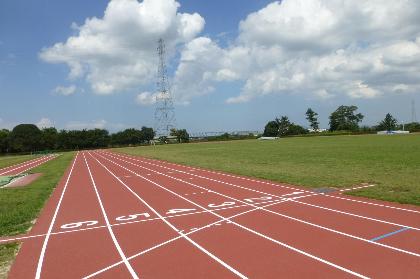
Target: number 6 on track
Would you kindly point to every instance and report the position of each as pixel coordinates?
(78, 224)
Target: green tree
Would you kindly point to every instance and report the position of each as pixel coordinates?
(49, 138)
(181, 135)
(312, 118)
(147, 134)
(345, 118)
(283, 125)
(271, 129)
(25, 138)
(295, 129)
(389, 123)
(4, 136)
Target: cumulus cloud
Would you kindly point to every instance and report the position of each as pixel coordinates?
(146, 98)
(320, 48)
(65, 90)
(44, 123)
(117, 52)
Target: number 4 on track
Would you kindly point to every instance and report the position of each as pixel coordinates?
(179, 210)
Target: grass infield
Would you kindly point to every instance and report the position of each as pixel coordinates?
(20, 206)
(390, 162)
(7, 254)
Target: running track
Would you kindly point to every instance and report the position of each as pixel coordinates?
(118, 216)
(25, 166)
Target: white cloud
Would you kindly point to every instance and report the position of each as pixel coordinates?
(65, 91)
(79, 125)
(320, 48)
(45, 123)
(317, 48)
(146, 98)
(117, 52)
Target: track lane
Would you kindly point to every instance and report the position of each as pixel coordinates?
(72, 254)
(255, 182)
(191, 251)
(25, 166)
(289, 251)
(369, 226)
(372, 251)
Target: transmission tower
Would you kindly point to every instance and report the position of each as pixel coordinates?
(413, 111)
(165, 112)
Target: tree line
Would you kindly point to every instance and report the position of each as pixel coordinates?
(29, 138)
(344, 118)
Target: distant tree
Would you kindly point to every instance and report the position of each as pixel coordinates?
(283, 125)
(25, 138)
(49, 138)
(312, 118)
(4, 135)
(271, 129)
(295, 129)
(181, 135)
(345, 118)
(388, 124)
(412, 127)
(147, 134)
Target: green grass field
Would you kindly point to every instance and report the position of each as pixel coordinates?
(6, 161)
(7, 254)
(20, 206)
(390, 162)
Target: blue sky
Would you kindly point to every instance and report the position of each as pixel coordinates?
(284, 67)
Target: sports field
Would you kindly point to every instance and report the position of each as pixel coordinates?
(392, 163)
(118, 216)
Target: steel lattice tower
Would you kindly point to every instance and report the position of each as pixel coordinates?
(413, 111)
(165, 112)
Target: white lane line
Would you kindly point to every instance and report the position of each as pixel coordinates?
(260, 181)
(17, 166)
(236, 272)
(356, 188)
(270, 203)
(230, 184)
(108, 225)
(29, 163)
(371, 203)
(214, 180)
(47, 237)
(283, 215)
(236, 224)
(179, 237)
(358, 216)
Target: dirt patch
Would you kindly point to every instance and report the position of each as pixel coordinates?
(24, 180)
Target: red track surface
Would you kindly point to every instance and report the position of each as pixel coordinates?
(116, 216)
(25, 166)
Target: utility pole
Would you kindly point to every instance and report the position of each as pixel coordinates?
(413, 111)
(164, 112)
